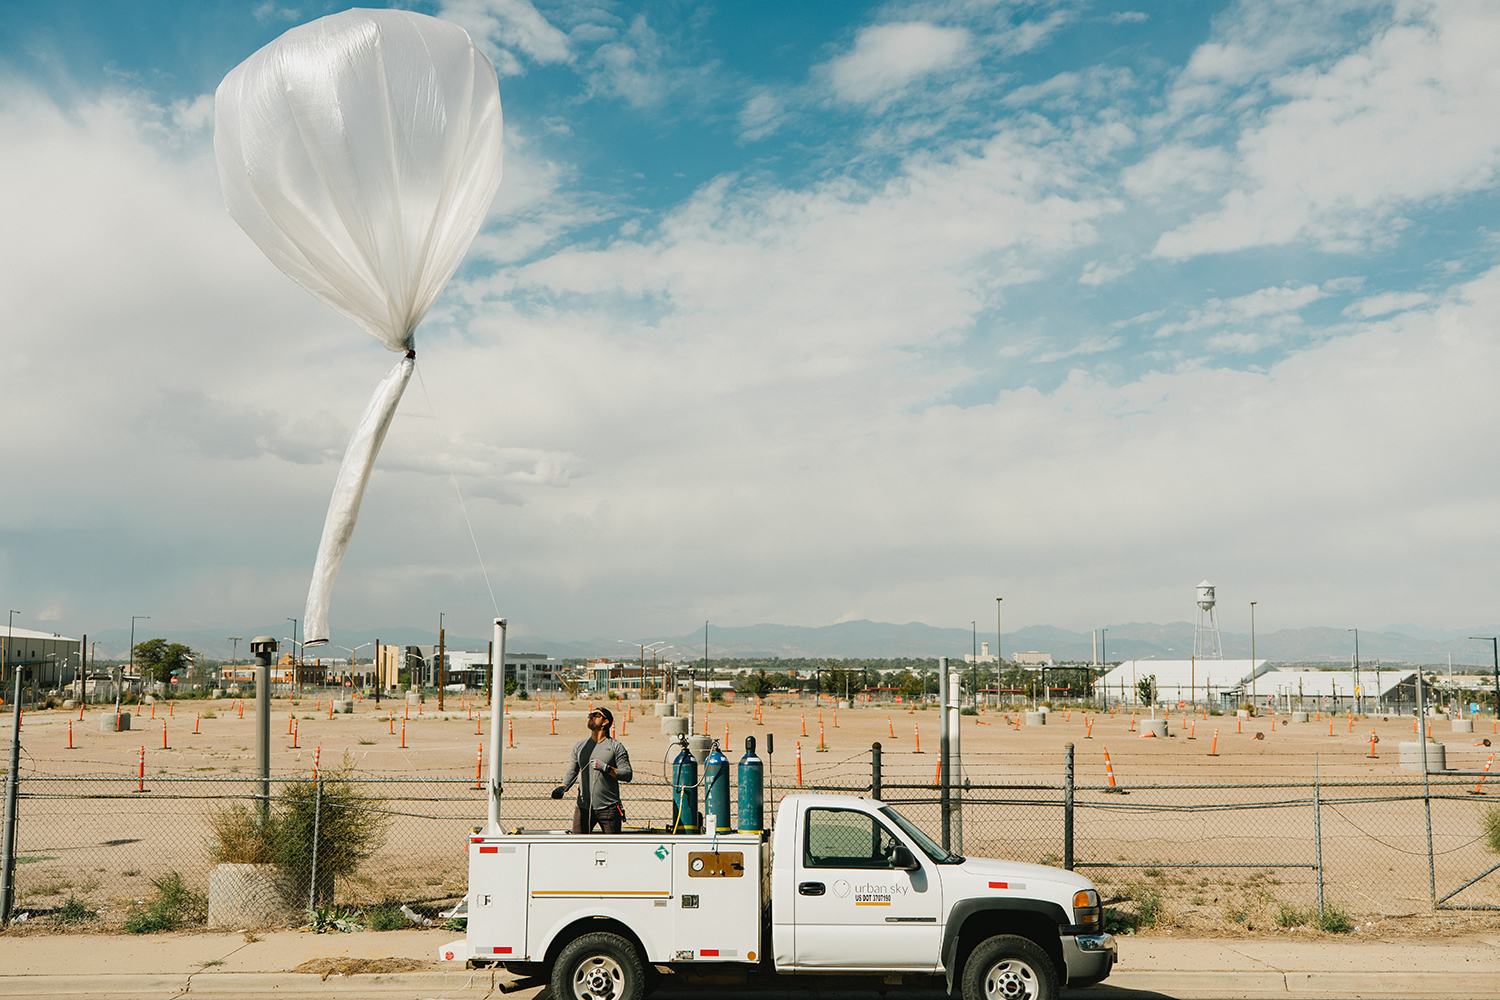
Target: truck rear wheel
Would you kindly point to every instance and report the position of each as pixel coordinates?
(1008, 967)
(598, 967)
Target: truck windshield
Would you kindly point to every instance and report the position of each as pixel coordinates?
(929, 846)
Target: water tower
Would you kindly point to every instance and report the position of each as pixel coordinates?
(1207, 645)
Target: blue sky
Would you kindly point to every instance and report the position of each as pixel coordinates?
(794, 313)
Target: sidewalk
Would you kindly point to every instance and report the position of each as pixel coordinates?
(58, 967)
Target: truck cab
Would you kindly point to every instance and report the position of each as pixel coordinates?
(842, 884)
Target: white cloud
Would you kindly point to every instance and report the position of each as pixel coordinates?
(1170, 170)
(1092, 345)
(507, 27)
(762, 114)
(1406, 120)
(1275, 307)
(887, 58)
(1096, 272)
(1386, 302)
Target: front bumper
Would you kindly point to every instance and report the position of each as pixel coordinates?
(1089, 957)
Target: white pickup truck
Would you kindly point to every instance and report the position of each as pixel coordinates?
(842, 885)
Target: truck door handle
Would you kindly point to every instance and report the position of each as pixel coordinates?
(811, 888)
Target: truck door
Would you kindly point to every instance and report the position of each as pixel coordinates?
(853, 909)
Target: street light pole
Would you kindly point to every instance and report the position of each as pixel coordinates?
(10, 631)
(1252, 653)
(297, 664)
(1495, 651)
(133, 620)
(1359, 696)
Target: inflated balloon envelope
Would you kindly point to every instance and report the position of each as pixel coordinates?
(361, 152)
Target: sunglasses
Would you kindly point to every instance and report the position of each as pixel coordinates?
(592, 714)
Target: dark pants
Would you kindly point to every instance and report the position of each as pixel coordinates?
(607, 818)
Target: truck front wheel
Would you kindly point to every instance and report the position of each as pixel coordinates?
(1008, 967)
(598, 967)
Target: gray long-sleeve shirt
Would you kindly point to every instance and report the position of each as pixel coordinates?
(603, 789)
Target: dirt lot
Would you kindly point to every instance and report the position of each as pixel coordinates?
(1211, 858)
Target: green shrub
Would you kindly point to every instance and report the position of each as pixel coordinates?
(172, 905)
(386, 917)
(1335, 920)
(351, 825)
(1489, 829)
(1148, 908)
(1289, 916)
(73, 912)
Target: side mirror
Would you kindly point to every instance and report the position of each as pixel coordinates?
(902, 858)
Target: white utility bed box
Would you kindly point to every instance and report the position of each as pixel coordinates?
(688, 897)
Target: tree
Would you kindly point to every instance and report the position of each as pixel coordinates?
(158, 658)
(756, 684)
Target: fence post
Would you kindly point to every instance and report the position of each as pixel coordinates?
(1318, 833)
(875, 771)
(1068, 806)
(312, 887)
(12, 779)
(1426, 786)
(945, 794)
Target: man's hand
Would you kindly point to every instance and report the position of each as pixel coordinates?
(598, 765)
(558, 792)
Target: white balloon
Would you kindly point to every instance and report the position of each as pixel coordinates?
(361, 152)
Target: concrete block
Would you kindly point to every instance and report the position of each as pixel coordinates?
(674, 725)
(245, 896)
(1299, 716)
(1411, 756)
(1157, 726)
(345, 707)
(217, 693)
(1036, 718)
(107, 722)
(665, 709)
(1463, 725)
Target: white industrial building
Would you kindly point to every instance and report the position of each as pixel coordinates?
(1179, 681)
(1378, 690)
(49, 659)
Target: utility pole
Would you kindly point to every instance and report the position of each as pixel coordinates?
(442, 663)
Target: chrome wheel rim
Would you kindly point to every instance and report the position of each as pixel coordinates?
(598, 977)
(1011, 979)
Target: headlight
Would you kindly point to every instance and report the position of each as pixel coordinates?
(1086, 910)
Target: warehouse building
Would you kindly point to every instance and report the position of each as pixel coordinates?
(50, 659)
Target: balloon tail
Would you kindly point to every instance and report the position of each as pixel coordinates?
(348, 492)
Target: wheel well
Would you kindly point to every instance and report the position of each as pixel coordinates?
(1034, 927)
(592, 925)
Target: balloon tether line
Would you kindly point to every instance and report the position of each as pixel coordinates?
(453, 478)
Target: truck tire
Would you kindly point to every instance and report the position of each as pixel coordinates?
(1008, 967)
(598, 967)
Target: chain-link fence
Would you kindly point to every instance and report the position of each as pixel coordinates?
(102, 849)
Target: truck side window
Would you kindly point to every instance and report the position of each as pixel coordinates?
(846, 838)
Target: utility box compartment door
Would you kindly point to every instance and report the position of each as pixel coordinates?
(497, 885)
(626, 878)
(607, 866)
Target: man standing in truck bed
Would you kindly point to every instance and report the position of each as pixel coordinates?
(604, 763)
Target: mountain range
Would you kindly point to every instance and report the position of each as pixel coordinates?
(866, 639)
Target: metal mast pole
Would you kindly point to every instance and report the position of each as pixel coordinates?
(497, 718)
